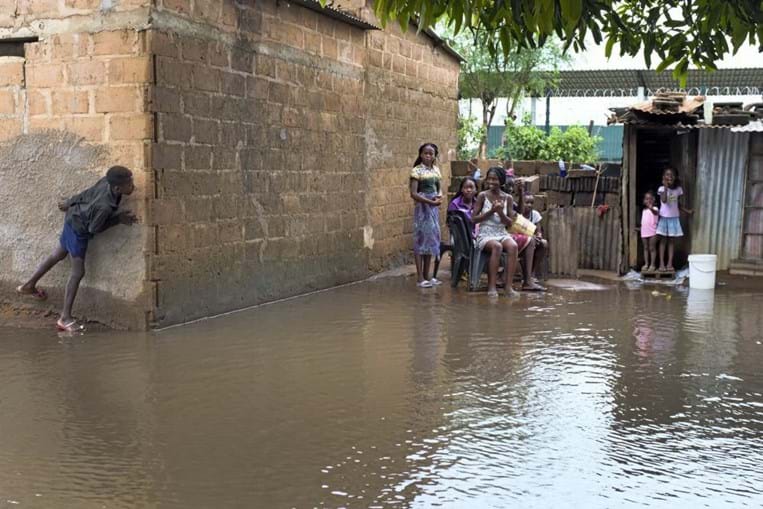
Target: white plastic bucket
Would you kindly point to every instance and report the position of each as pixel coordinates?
(702, 271)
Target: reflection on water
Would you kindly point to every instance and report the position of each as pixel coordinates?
(377, 395)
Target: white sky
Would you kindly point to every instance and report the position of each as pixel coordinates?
(594, 58)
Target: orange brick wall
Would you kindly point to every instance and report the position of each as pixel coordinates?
(271, 145)
(75, 105)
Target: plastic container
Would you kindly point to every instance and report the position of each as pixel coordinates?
(522, 225)
(702, 271)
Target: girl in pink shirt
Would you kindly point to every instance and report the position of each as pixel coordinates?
(669, 225)
(649, 219)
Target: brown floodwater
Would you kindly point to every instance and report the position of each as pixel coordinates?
(379, 395)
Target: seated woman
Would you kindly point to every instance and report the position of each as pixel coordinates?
(464, 199)
(541, 244)
(493, 211)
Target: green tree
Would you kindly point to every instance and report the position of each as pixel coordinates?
(489, 76)
(470, 135)
(678, 32)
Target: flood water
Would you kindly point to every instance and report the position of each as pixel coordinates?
(381, 395)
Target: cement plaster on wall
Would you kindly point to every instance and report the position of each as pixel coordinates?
(35, 171)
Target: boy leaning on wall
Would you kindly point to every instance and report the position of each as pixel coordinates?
(88, 213)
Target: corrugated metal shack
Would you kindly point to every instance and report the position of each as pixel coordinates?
(717, 150)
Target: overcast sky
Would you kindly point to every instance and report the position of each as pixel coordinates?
(593, 58)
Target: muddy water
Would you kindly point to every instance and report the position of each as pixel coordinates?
(377, 395)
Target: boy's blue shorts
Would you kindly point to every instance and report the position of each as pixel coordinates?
(74, 243)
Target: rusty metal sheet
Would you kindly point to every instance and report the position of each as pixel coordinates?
(689, 105)
(600, 241)
(561, 232)
(719, 200)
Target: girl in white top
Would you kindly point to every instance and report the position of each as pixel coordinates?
(493, 211)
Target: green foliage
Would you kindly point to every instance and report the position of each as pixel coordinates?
(519, 73)
(489, 76)
(527, 142)
(470, 134)
(574, 144)
(678, 32)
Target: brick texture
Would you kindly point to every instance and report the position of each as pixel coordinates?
(271, 145)
(286, 170)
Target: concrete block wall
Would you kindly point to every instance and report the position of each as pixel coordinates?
(284, 145)
(75, 104)
(272, 147)
(411, 98)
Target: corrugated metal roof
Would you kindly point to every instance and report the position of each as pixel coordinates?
(756, 126)
(575, 82)
(719, 200)
(333, 12)
(689, 105)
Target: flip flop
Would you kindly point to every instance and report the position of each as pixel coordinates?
(69, 326)
(535, 287)
(492, 294)
(38, 293)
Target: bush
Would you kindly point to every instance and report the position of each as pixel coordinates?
(527, 142)
(574, 144)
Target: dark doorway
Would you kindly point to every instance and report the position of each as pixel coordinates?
(658, 149)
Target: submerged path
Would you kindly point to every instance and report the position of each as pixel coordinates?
(379, 395)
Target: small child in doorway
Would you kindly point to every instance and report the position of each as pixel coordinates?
(669, 225)
(87, 213)
(649, 219)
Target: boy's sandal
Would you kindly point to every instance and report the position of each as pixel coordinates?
(534, 287)
(38, 293)
(492, 294)
(69, 325)
(424, 284)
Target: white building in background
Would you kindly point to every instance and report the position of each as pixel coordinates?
(582, 110)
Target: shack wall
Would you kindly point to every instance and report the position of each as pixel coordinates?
(719, 200)
(71, 107)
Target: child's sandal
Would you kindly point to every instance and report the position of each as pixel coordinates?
(69, 325)
(38, 293)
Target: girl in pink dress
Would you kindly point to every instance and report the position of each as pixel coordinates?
(649, 218)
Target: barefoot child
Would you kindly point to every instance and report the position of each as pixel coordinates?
(649, 218)
(669, 224)
(88, 213)
(493, 211)
(427, 196)
(541, 244)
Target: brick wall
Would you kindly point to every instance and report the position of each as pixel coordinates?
(272, 145)
(283, 152)
(410, 99)
(72, 107)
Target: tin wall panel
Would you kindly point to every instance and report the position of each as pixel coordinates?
(561, 231)
(600, 241)
(719, 202)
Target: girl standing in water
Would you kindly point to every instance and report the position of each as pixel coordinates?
(427, 195)
(669, 224)
(493, 211)
(649, 219)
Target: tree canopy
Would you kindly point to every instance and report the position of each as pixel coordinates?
(675, 32)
